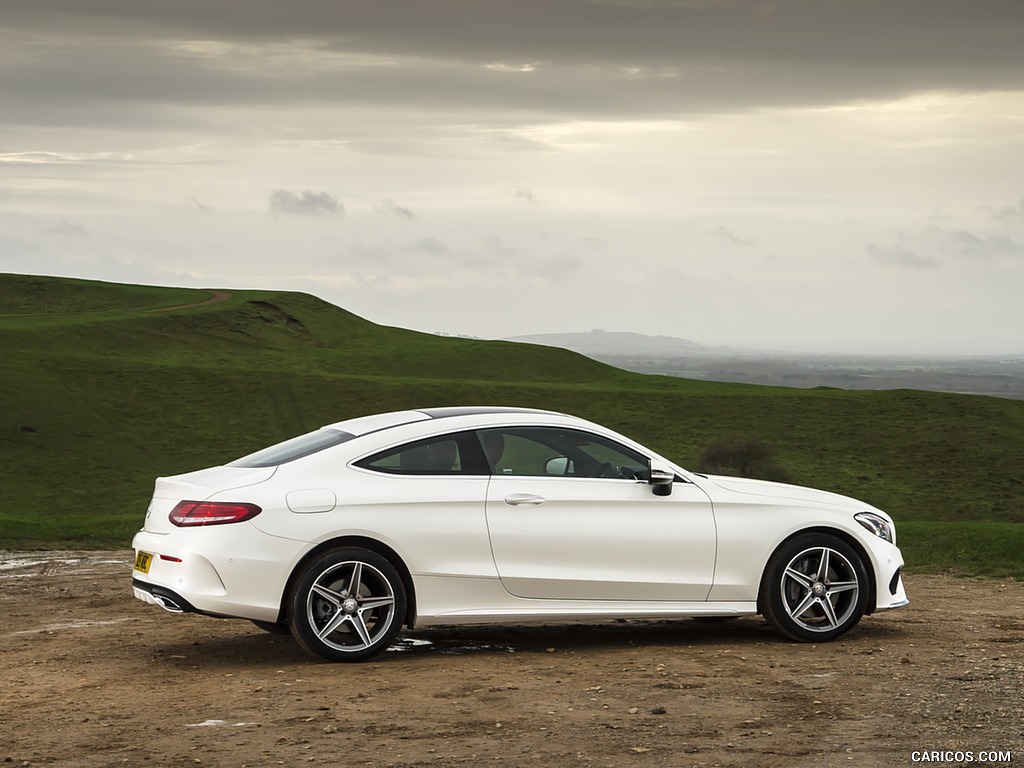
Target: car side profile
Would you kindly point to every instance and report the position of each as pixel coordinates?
(347, 534)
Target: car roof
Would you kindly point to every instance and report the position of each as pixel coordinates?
(478, 410)
(364, 425)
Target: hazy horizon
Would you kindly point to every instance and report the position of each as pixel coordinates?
(780, 349)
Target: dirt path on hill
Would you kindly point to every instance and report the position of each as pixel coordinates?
(218, 296)
(92, 677)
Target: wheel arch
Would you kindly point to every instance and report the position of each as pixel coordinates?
(362, 542)
(844, 536)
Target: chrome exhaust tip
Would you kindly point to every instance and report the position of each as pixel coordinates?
(167, 604)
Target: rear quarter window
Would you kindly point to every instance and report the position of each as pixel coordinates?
(454, 454)
(296, 448)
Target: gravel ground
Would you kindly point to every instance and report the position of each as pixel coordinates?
(93, 677)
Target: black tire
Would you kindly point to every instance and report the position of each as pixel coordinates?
(274, 627)
(815, 588)
(347, 605)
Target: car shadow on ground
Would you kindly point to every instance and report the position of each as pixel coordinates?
(541, 638)
(745, 632)
(252, 647)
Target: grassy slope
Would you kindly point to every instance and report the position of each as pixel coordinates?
(113, 395)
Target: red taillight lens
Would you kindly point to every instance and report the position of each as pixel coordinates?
(189, 513)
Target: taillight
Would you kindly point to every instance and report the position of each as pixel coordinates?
(189, 513)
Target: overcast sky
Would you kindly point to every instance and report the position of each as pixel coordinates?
(807, 174)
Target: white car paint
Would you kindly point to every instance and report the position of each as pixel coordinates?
(492, 547)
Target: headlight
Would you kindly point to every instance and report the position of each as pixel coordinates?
(877, 524)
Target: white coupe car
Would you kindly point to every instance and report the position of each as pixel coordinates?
(500, 515)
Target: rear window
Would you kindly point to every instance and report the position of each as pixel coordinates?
(296, 448)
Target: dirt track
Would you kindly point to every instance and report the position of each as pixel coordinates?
(92, 677)
(216, 298)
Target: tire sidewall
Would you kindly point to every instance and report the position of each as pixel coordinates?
(774, 609)
(305, 635)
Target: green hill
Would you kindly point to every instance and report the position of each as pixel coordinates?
(104, 386)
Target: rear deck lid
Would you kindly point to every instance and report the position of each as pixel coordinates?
(198, 486)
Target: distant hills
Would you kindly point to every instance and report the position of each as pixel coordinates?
(1002, 376)
(598, 343)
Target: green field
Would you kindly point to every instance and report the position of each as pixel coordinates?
(99, 395)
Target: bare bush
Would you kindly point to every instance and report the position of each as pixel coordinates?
(742, 458)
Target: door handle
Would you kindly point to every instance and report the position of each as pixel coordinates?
(524, 500)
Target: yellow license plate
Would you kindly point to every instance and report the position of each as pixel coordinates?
(142, 561)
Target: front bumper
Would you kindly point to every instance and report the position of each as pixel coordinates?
(891, 594)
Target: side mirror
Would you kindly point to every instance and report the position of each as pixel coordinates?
(661, 479)
(559, 465)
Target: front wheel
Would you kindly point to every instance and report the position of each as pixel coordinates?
(814, 589)
(347, 605)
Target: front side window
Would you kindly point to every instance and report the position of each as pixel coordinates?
(546, 451)
(445, 455)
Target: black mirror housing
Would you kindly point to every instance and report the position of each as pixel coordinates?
(661, 479)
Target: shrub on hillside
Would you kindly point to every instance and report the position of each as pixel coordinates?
(742, 458)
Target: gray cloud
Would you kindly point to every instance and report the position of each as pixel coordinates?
(726, 234)
(968, 244)
(61, 227)
(635, 33)
(389, 206)
(951, 246)
(406, 258)
(623, 59)
(1008, 214)
(430, 246)
(523, 195)
(283, 202)
(901, 256)
(67, 229)
(192, 205)
(486, 258)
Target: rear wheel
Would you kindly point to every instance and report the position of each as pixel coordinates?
(815, 588)
(347, 605)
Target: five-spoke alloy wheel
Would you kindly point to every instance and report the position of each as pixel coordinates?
(348, 605)
(815, 588)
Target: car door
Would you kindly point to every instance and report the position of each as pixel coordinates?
(574, 536)
(428, 496)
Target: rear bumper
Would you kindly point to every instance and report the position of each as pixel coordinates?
(205, 571)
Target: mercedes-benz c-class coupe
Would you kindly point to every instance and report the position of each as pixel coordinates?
(345, 535)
